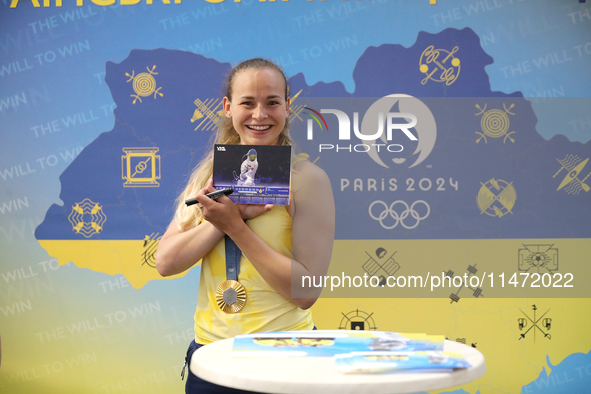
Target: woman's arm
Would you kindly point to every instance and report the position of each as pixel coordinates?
(313, 215)
(178, 251)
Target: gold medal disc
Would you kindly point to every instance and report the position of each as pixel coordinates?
(231, 296)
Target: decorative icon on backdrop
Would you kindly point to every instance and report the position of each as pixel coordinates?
(439, 65)
(399, 218)
(209, 112)
(534, 324)
(144, 84)
(295, 109)
(495, 123)
(357, 320)
(463, 340)
(476, 292)
(140, 167)
(150, 245)
(87, 218)
(382, 267)
(536, 258)
(571, 182)
(496, 197)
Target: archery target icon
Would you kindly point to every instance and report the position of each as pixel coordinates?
(144, 84)
(357, 320)
(495, 123)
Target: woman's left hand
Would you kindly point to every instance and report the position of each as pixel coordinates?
(251, 211)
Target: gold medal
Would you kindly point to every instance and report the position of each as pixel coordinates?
(231, 296)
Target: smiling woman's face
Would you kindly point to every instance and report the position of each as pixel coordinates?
(258, 107)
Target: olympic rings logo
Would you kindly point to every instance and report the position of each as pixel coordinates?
(399, 218)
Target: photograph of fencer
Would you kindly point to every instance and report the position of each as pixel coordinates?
(248, 169)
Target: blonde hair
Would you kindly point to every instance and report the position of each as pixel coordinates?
(189, 217)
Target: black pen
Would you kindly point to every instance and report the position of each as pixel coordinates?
(212, 195)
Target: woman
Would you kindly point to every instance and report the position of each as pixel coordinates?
(279, 245)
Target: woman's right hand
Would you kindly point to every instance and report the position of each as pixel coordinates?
(222, 212)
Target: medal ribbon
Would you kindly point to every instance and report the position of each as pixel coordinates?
(233, 254)
(231, 294)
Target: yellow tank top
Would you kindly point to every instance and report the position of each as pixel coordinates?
(265, 310)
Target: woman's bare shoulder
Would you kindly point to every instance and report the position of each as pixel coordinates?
(306, 171)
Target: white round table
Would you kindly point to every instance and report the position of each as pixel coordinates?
(318, 374)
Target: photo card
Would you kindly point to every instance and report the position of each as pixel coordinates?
(259, 174)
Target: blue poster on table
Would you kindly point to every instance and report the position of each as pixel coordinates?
(328, 343)
(421, 361)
